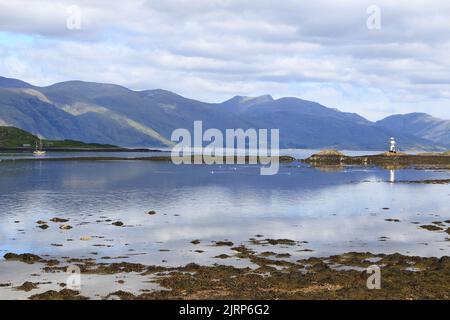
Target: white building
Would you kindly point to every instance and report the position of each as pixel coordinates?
(392, 145)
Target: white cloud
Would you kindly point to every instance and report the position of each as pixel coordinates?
(212, 49)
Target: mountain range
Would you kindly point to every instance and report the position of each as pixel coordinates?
(113, 114)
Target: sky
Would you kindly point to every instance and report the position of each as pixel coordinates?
(375, 58)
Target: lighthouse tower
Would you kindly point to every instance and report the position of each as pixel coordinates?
(392, 145)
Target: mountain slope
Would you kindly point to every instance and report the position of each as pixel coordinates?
(310, 125)
(46, 120)
(106, 113)
(421, 125)
(159, 110)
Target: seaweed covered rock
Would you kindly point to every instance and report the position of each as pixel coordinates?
(24, 257)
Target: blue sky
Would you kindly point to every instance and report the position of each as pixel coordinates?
(212, 50)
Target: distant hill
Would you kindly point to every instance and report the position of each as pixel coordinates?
(13, 83)
(421, 125)
(11, 137)
(307, 124)
(112, 114)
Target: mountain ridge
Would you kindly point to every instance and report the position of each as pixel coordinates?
(114, 114)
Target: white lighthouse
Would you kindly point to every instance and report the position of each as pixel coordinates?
(392, 145)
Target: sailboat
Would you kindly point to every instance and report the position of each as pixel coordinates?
(39, 151)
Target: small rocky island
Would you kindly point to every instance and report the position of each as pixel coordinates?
(387, 159)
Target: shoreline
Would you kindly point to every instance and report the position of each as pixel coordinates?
(235, 159)
(394, 161)
(342, 276)
(384, 159)
(77, 149)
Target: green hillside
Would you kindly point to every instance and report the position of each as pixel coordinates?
(11, 137)
(74, 144)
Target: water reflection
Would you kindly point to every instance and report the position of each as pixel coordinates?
(391, 175)
(334, 210)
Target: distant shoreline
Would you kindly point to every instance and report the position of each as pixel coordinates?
(389, 161)
(77, 149)
(282, 159)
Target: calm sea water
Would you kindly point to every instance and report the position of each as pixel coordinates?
(334, 211)
(297, 153)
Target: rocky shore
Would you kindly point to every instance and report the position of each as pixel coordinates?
(385, 160)
(341, 276)
(268, 271)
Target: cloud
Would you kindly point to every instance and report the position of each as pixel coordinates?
(212, 49)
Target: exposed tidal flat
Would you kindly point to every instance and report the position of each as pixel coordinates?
(150, 229)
